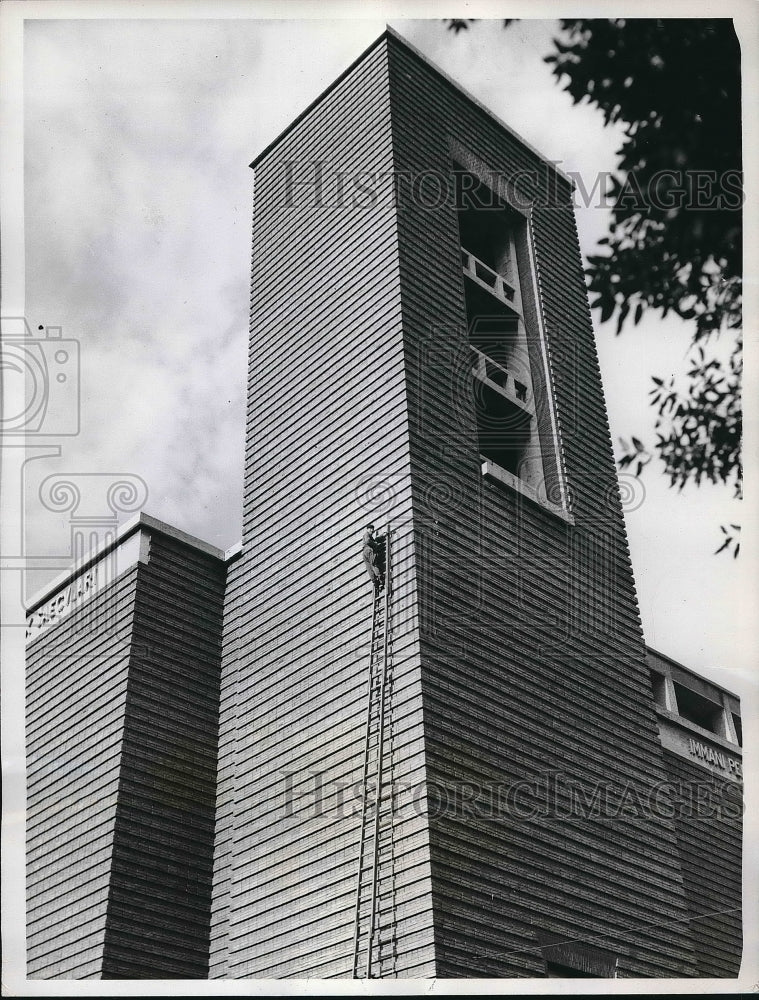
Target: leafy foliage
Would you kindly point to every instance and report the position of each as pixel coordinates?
(674, 244)
(699, 432)
(731, 541)
(461, 24)
(675, 241)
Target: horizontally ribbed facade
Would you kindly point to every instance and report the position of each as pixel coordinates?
(76, 684)
(533, 662)
(519, 659)
(161, 870)
(122, 698)
(327, 450)
(709, 840)
(701, 735)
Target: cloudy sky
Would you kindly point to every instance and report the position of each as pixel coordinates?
(138, 201)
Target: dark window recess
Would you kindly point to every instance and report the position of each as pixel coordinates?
(695, 708)
(493, 328)
(483, 222)
(556, 971)
(497, 374)
(502, 427)
(574, 959)
(738, 728)
(658, 685)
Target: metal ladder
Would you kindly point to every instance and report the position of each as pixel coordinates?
(376, 810)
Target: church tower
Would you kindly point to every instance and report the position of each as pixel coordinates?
(422, 358)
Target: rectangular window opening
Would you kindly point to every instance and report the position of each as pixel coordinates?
(483, 224)
(515, 434)
(505, 431)
(697, 709)
(497, 374)
(554, 970)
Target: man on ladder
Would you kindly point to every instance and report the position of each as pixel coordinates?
(374, 557)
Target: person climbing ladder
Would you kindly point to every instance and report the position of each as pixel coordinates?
(374, 557)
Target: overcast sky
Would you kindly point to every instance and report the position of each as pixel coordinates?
(138, 201)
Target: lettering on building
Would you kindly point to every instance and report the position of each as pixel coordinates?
(64, 602)
(715, 757)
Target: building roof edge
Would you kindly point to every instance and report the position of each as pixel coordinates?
(140, 520)
(317, 100)
(393, 35)
(694, 673)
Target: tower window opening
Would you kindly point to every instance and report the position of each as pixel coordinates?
(504, 430)
(497, 374)
(483, 225)
(695, 708)
(516, 432)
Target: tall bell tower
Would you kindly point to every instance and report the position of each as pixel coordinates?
(422, 356)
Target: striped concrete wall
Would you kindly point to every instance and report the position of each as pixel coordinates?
(521, 741)
(162, 865)
(122, 724)
(327, 450)
(76, 683)
(519, 665)
(709, 837)
(532, 657)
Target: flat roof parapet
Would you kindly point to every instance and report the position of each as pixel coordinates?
(140, 521)
(686, 676)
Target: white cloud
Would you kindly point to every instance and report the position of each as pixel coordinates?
(138, 207)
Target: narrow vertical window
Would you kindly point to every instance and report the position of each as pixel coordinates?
(511, 422)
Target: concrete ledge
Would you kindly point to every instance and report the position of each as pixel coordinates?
(140, 521)
(502, 476)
